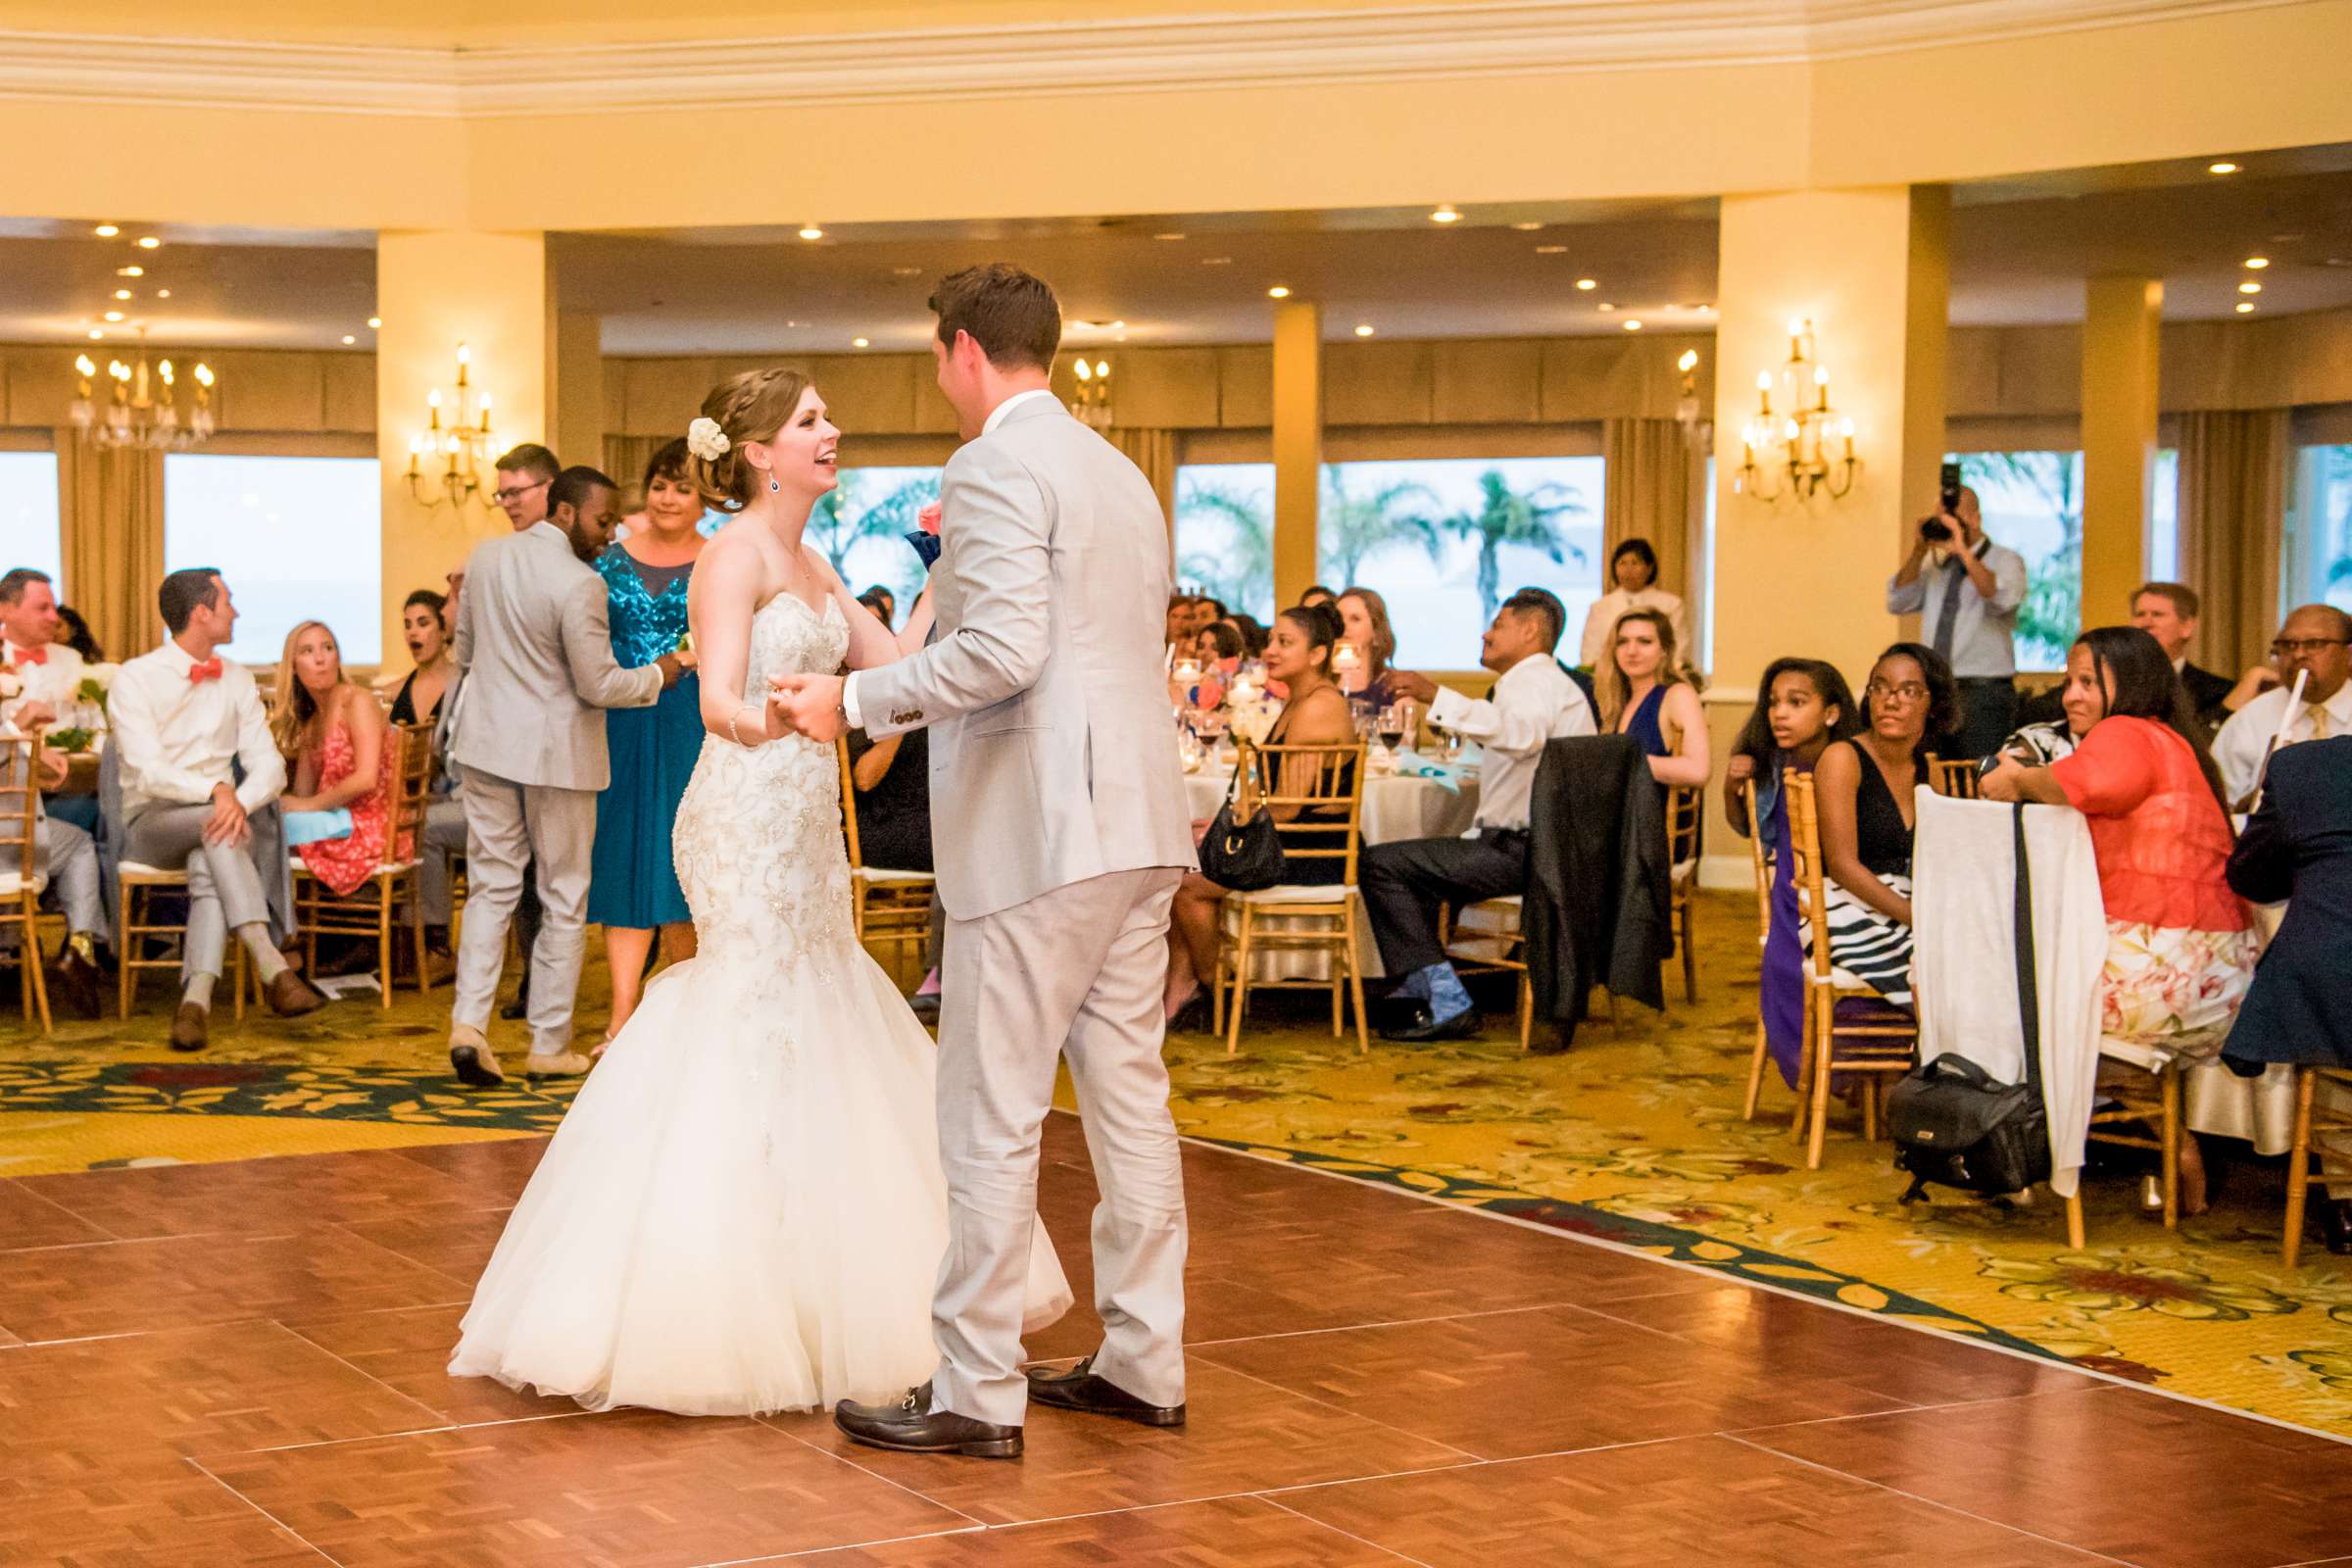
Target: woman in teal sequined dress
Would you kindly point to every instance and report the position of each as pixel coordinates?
(634, 889)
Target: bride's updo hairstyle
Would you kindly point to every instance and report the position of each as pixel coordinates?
(750, 407)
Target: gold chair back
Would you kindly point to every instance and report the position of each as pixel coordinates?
(19, 801)
(1325, 779)
(1956, 778)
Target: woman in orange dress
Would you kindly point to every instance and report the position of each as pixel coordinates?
(334, 734)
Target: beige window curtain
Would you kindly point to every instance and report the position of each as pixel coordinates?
(1157, 453)
(625, 458)
(1648, 490)
(111, 516)
(2232, 507)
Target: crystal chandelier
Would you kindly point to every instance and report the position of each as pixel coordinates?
(142, 406)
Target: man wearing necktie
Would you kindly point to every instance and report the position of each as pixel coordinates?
(2315, 642)
(184, 721)
(1966, 591)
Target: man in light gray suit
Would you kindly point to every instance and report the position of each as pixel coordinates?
(1059, 831)
(534, 650)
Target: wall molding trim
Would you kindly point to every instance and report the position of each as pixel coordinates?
(1270, 50)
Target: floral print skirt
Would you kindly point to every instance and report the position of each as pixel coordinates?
(2171, 987)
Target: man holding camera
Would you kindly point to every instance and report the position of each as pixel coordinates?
(1966, 589)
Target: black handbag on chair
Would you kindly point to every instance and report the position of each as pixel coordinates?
(1951, 1123)
(1245, 857)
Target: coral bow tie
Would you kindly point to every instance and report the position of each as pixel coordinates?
(33, 656)
(207, 669)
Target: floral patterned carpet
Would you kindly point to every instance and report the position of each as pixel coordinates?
(1634, 1138)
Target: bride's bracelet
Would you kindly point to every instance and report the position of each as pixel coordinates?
(738, 737)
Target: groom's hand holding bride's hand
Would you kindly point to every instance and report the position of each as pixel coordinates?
(806, 705)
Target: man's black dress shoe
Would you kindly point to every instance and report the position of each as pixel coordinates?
(79, 983)
(519, 1007)
(1419, 1027)
(1079, 1388)
(911, 1426)
(2335, 1224)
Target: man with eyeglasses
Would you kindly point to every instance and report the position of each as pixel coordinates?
(2315, 642)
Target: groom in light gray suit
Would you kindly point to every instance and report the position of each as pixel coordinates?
(1060, 831)
(534, 652)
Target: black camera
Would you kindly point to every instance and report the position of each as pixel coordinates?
(1935, 531)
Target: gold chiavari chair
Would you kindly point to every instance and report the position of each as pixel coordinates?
(22, 879)
(1298, 917)
(1956, 778)
(887, 908)
(1682, 805)
(2314, 1125)
(1763, 868)
(1878, 1042)
(370, 910)
(1488, 937)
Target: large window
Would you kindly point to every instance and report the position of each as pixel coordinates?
(29, 535)
(2032, 503)
(1225, 534)
(2318, 554)
(861, 526)
(296, 539)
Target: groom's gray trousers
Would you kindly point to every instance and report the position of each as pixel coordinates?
(1078, 971)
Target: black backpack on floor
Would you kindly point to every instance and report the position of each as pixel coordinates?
(1951, 1123)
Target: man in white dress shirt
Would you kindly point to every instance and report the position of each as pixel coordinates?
(184, 721)
(1967, 600)
(47, 677)
(2316, 641)
(1534, 701)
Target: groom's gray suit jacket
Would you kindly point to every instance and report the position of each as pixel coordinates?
(1052, 745)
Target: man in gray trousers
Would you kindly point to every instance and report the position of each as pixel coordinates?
(1057, 859)
(534, 649)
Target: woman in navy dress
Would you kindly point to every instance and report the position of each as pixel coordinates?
(634, 890)
(1643, 695)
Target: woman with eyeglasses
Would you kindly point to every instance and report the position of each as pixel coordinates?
(2180, 947)
(1863, 788)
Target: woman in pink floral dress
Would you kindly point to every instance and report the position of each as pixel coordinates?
(334, 734)
(2180, 947)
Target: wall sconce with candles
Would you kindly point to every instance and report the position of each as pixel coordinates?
(1090, 403)
(447, 462)
(1696, 428)
(1795, 448)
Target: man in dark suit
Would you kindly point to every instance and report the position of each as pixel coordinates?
(2167, 612)
(2298, 846)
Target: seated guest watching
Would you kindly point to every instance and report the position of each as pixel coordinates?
(2297, 846)
(1365, 622)
(1405, 882)
(1633, 571)
(332, 729)
(1864, 787)
(75, 632)
(44, 681)
(424, 697)
(1966, 591)
(181, 718)
(424, 626)
(1253, 636)
(2315, 642)
(1643, 693)
(1207, 612)
(1180, 622)
(1299, 655)
(1802, 706)
(1317, 594)
(882, 603)
(2167, 611)
(2180, 947)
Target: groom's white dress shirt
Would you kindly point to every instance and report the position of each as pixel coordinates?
(177, 737)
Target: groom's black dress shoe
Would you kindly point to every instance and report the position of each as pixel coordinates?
(1419, 1026)
(1079, 1388)
(911, 1426)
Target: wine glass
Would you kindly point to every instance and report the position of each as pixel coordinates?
(1391, 726)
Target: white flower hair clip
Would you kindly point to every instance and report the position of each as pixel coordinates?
(706, 441)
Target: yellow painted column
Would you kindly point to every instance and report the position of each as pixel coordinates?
(1870, 270)
(1297, 445)
(575, 391)
(435, 291)
(2121, 321)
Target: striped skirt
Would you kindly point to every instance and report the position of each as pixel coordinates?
(1866, 945)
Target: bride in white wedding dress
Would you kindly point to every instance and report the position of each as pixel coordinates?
(743, 1211)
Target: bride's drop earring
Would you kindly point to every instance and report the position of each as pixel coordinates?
(773, 486)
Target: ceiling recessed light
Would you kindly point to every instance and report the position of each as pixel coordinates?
(148, 242)
(1364, 329)
(375, 321)
(1526, 228)
(163, 293)
(114, 315)
(1587, 285)
(2249, 288)
(859, 343)
(905, 272)
(2223, 168)
(1446, 214)
(130, 272)
(348, 338)
(122, 293)
(1167, 236)
(1216, 260)
(812, 231)
(1606, 306)
(1278, 292)
(96, 334)
(1631, 325)
(1119, 326)
(2246, 307)
(2255, 263)
(106, 231)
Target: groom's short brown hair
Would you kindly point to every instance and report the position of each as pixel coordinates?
(1011, 314)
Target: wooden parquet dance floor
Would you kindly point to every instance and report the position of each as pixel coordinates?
(241, 1364)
